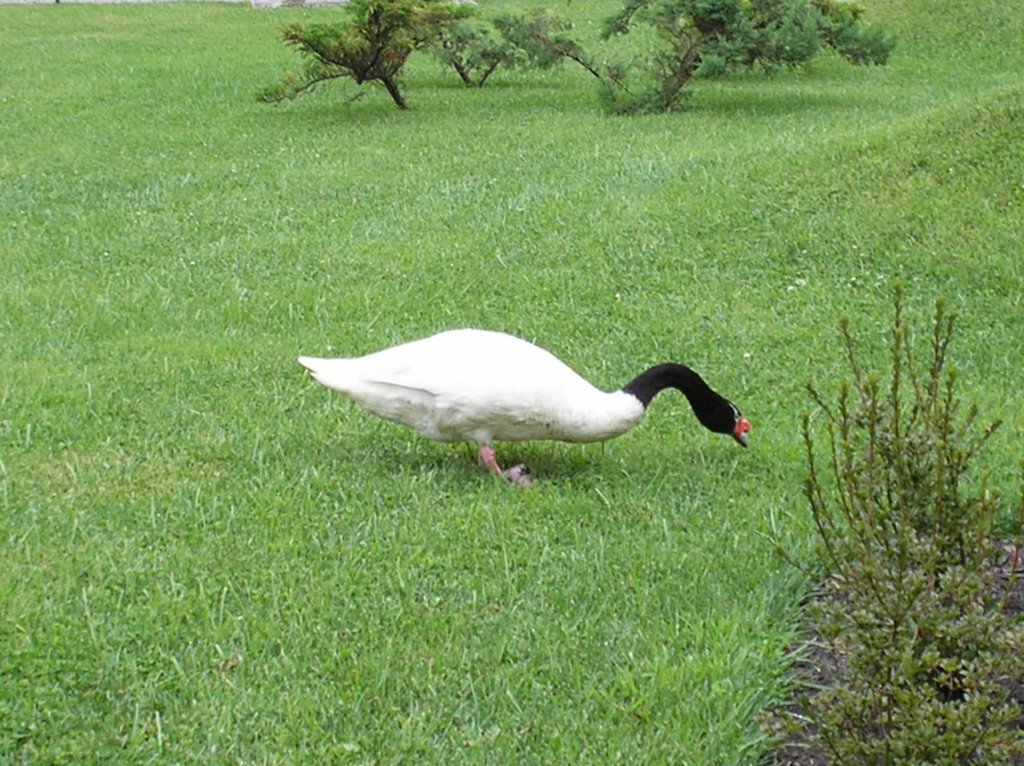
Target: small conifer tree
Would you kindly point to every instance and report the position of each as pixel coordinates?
(539, 40)
(712, 36)
(372, 44)
(907, 539)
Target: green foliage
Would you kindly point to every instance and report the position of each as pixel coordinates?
(375, 42)
(542, 36)
(691, 37)
(841, 30)
(372, 45)
(472, 51)
(539, 40)
(908, 539)
(711, 37)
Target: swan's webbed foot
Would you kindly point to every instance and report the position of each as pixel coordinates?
(517, 474)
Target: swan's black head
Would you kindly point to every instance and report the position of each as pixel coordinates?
(715, 412)
(723, 417)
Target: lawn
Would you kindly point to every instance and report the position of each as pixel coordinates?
(207, 558)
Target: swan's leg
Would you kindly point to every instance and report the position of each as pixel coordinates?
(517, 474)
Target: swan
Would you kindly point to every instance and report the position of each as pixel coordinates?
(483, 386)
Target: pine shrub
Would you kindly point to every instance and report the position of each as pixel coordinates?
(907, 537)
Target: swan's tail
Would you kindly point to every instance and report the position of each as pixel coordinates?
(333, 373)
(312, 363)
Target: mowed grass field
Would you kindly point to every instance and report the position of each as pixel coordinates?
(207, 558)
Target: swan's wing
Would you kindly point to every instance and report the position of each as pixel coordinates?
(476, 363)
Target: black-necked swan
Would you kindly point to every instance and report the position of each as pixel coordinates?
(483, 386)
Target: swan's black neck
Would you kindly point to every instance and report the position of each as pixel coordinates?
(715, 412)
(650, 383)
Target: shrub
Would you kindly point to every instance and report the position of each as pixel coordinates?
(377, 37)
(371, 45)
(907, 537)
(713, 36)
(538, 40)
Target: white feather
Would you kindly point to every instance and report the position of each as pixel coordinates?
(481, 386)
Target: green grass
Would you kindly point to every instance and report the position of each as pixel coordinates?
(208, 558)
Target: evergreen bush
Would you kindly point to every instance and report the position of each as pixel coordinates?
(907, 538)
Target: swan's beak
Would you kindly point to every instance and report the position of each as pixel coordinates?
(740, 432)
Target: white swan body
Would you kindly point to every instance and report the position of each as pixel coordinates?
(480, 386)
